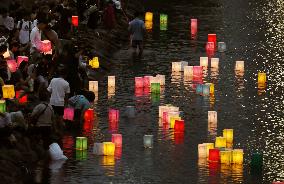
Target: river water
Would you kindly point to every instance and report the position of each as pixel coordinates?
(253, 31)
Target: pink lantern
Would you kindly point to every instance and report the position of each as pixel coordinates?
(45, 46)
(147, 81)
(212, 38)
(197, 71)
(147, 90)
(139, 82)
(12, 65)
(139, 92)
(113, 115)
(20, 59)
(68, 114)
(193, 27)
(117, 140)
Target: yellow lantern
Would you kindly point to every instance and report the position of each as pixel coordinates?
(204, 62)
(8, 91)
(109, 148)
(208, 147)
(225, 157)
(229, 135)
(220, 142)
(111, 81)
(237, 156)
(149, 17)
(173, 120)
(261, 78)
(93, 86)
(161, 79)
(94, 63)
(108, 160)
(215, 63)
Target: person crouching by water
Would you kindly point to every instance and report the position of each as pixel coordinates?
(137, 31)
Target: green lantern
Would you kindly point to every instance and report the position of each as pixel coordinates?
(81, 154)
(155, 88)
(2, 106)
(81, 143)
(163, 22)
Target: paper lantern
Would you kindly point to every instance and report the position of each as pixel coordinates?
(225, 157)
(206, 90)
(8, 91)
(130, 111)
(161, 79)
(94, 86)
(2, 106)
(45, 47)
(237, 156)
(213, 38)
(179, 126)
(12, 65)
(117, 140)
(188, 71)
(113, 115)
(197, 71)
(75, 21)
(214, 155)
(23, 99)
(148, 141)
(208, 147)
(193, 27)
(81, 155)
(111, 81)
(139, 92)
(229, 135)
(20, 59)
(109, 148)
(256, 161)
(215, 63)
(277, 182)
(147, 81)
(240, 66)
(202, 150)
(173, 120)
(148, 25)
(261, 78)
(222, 46)
(89, 115)
(176, 66)
(149, 17)
(212, 117)
(220, 142)
(199, 89)
(163, 22)
(139, 82)
(210, 47)
(94, 63)
(204, 62)
(81, 143)
(68, 113)
(155, 88)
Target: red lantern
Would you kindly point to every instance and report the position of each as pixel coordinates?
(113, 115)
(147, 90)
(138, 92)
(197, 71)
(68, 114)
(12, 65)
(212, 38)
(214, 155)
(89, 115)
(213, 168)
(45, 46)
(210, 47)
(193, 27)
(23, 99)
(179, 126)
(75, 21)
(20, 59)
(117, 140)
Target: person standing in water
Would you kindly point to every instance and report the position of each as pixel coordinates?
(137, 30)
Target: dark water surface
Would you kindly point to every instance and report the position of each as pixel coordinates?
(254, 32)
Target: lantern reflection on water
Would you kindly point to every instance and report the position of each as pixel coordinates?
(109, 148)
(148, 141)
(81, 143)
(117, 140)
(193, 27)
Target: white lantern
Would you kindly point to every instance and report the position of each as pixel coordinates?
(222, 46)
(148, 141)
(215, 63)
(202, 150)
(176, 66)
(188, 71)
(111, 81)
(212, 117)
(94, 86)
(98, 149)
(204, 61)
(240, 66)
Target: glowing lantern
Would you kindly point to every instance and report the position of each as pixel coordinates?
(163, 22)
(12, 65)
(222, 46)
(139, 92)
(117, 140)
(237, 156)
(155, 88)
(197, 71)
(179, 126)
(212, 117)
(113, 115)
(45, 47)
(20, 59)
(229, 135)
(147, 81)
(199, 89)
(111, 81)
(176, 67)
(215, 63)
(149, 17)
(220, 142)
(161, 79)
(23, 99)
(277, 182)
(148, 141)
(139, 82)
(212, 89)
(225, 157)
(75, 21)
(94, 86)
(240, 66)
(214, 155)
(206, 90)
(8, 91)
(193, 27)
(173, 120)
(261, 78)
(89, 115)
(188, 71)
(210, 47)
(81, 143)
(212, 38)
(109, 148)
(98, 149)
(202, 150)
(68, 114)
(204, 62)
(208, 147)
(94, 63)
(148, 25)
(256, 161)
(2, 106)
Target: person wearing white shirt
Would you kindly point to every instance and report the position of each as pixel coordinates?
(25, 27)
(35, 35)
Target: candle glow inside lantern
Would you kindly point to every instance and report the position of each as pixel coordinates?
(229, 135)
(163, 22)
(173, 120)
(81, 143)
(155, 88)
(193, 27)
(261, 78)
(240, 66)
(117, 140)
(75, 21)
(68, 113)
(222, 46)
(213, 38)
(237, 156)
(188, 71)
(149, 17)
(109, 148)
(220, 142)
(98, 149)
(8, 91)
(214, 155)
(139, 82)
(204, 62)
(94, 86)
(2, 106)
(148, 141)
(179, 126)
(176, 66)
(197, 71)
(20, 59)
(215, 63)
(89, 115)
(23, 99)
(225, 157)
(12, 65)
(45, 47)
(113, 115)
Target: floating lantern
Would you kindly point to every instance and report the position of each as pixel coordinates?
(139, 92)
(94, 86)
(117, 140)
(202, 150)
(109, 148)
(94, 63)
(197, 71)
(210, 47)
(220, 142)
(188, 71)
(240, 66)
(208, 147)
(173, 120)
(237, 156)
(149, 17)
(2, 106)
(147, 81)
(75, 21)
(163, 22)
(68, 113)
(12, 65)
(215, 63)
(256, 161)
(81, 143)
(155, 88)
(222, 46)
(148, 141)
(193, 27)
(212, 38)
(8, 91)
(214, 155)
(206, 90)
(277, 182)
(89, 115)
(212, 117)
(20, 59)
(148, 25)
(179, 126)
(139, 82)
(45, 47)
(261, 78)
(161, 79)
(225, 157)
(229, 135)
(168, 116)
(111, 81)
(113, 115)
(212, 89)
(176, 66)
(204, 62)
(130, 111)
